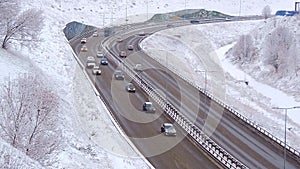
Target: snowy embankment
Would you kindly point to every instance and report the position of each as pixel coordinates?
(194, 44)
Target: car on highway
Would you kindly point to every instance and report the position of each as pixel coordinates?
(123, 54)
(119, 75)
(228, 19)
(148, 107)
(95, 34)
(83, 48)
(170, 25)
(99, 54)
(119, 39)
(195, 21)
(142, 33)
(130, 47)
(96, 70)
(130, 87)
(90, 65)
(83, 40)
(90, 59)
(138, 67)
(104, 61)
(168, 129)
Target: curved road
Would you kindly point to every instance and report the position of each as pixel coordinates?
(143, 129)
(237, 138)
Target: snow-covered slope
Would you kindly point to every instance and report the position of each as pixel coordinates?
(286, 78)
(84, 144)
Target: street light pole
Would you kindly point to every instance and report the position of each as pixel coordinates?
(205, 76)
(285, 118)
(126, 14)
(166, 65)
(240, 8)
(147, 9)
(185, 9)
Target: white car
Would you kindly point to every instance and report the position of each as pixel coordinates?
(95, 34)
(123, 54)
(168, 129)
(83, 48)
(83, 40)
(90, 59)
(90, 65)
(119, 75)
(99, 54)
(138, 68)
(96, 70)
(119, 39)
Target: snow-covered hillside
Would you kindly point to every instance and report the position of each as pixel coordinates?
(90, 139)
(268, 37)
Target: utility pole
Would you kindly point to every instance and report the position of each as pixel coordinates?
(126, 14)
(285, 118)
(240, 8)
(205, 76)
(147, 10)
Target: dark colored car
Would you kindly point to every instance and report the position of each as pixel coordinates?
(130, 47)
(148, 107)
(194, 21)
(104, 61)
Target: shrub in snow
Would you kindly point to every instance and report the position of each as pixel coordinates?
(27, 117)
(266, 12)
(278, 49)
(243, 51)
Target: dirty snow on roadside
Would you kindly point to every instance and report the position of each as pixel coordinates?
(193, 45)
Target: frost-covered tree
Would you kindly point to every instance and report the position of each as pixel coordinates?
(28, 117)
(277, 48)
(266, 12)
(15, 25)
(243, 50)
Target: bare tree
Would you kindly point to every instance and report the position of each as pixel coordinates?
(19, 26)
(243, 50)
(277, 47)
(266, 12)
(28, 119)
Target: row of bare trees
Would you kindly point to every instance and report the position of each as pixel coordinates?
(17, 25)
(279, 51)
(28, 118)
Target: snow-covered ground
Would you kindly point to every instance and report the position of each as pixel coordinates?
(90, 139)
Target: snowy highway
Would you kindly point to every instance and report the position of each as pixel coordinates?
(144, 129)
(240, 140)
